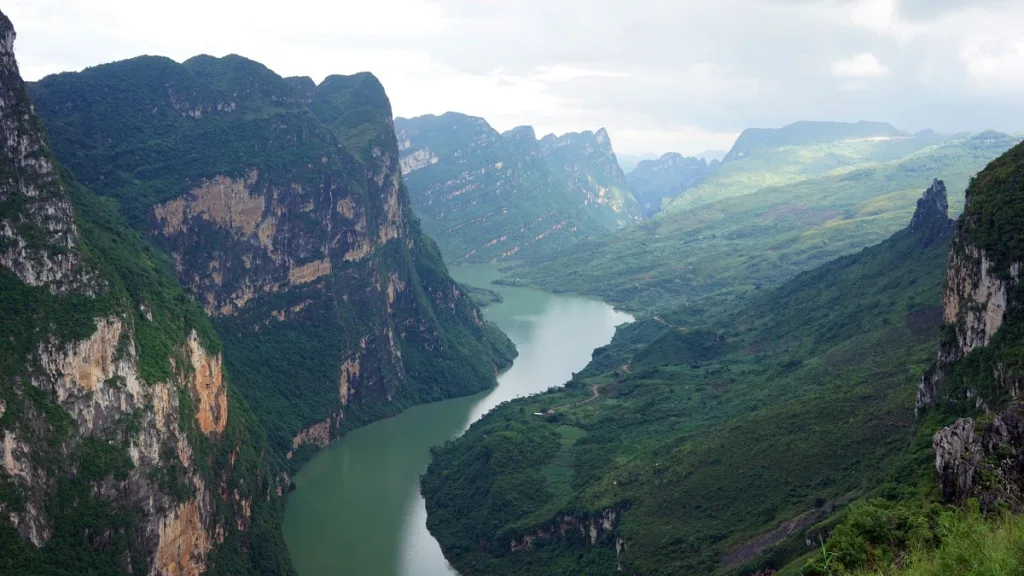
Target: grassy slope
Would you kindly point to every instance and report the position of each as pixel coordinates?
(712, 434)
(711, 254)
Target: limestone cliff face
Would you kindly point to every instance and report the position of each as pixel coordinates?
(97, 382)
(587, 164)
(985, 464)
(36, 242)
(114, 410)
(981, 292)
(286, 216)
(978, 367)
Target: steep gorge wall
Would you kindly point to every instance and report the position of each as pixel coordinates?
(120, 446)
(292, 229)
(982, 294)
(979, 371)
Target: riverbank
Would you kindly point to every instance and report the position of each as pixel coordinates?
(357, 505)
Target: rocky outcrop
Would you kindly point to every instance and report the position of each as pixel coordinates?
(594, 529)
(988, 466)
(37, 229)
(979, 291)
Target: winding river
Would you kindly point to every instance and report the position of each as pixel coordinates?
(357, 508)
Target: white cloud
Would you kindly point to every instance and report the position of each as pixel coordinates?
(661, 75)
(864, 65)
(994, 65)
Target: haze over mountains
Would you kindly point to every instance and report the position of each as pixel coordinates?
(210, 272)
(490, 196)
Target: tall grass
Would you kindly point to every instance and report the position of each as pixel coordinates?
(972, 545)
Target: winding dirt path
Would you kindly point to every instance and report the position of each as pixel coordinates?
(596, 389)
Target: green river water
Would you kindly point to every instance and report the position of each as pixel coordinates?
(357, 510)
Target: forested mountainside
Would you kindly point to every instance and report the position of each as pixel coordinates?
(709, 255)
(586, 163)
(488, 196)
(801, 433)
(666, 177)
(693, 445)
(283, 208)
(126, 447)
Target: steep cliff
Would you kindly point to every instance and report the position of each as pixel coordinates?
(979, 371)
(283, 207)
(586, 163)
(488, 196)
(979, 359)
(122, 447)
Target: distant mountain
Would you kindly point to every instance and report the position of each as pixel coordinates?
(629, 161)
(709, 253)
(489, 196)
(666, 177)
(709, 155)
(586, 163)
(776, 157)
(804, 133)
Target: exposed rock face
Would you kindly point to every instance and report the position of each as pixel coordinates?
(37, 243)
(110, 415)
(292, 228)
(586, 163)
(989, 467)
(599, 528)
(207, 384)
(979, 291)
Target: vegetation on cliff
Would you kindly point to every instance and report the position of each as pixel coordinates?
(80, 490)
(485, 196)
(283, 207)
(977, 379)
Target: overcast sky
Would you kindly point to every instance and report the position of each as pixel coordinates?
(679, 75)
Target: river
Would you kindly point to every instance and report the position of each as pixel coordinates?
(357, 507)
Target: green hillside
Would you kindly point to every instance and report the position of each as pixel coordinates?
(707, 432)
(707, 256)
(777, 157)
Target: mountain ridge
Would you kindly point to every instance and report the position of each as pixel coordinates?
(287, 217)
